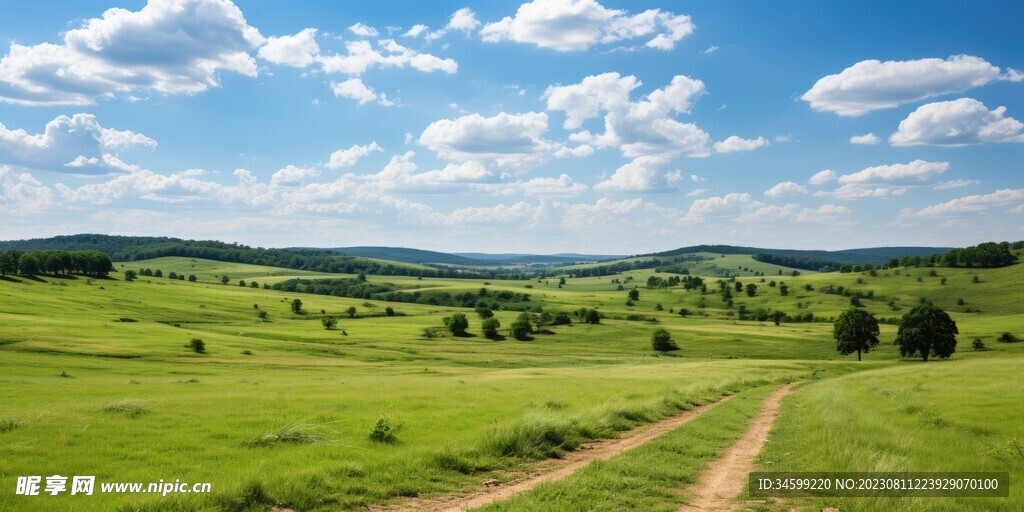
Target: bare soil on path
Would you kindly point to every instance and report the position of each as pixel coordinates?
(726, 477)
(553, 470)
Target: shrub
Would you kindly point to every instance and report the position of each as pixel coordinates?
(262, 314)
(977, 344)
(126, 407)
(389, 311)
(197, 345)
(384, 431)
(490, 328)
(521, 328)
(7, 425)
(457, 324)
(351, 311)
(561, 319)
(297, 306)
(1007, 338)
(662, 341)
(130, 275)
(329, 322)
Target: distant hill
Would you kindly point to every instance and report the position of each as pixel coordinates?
(816, 258)
(468, 259)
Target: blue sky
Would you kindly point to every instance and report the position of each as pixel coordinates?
(545, 126)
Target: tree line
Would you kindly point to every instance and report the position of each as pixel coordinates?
(986, 255)
(360, 289)
(93, 263)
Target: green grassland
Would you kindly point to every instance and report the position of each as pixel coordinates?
(702, 263)
(95, 379)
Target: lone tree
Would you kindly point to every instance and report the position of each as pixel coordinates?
(297, 306)
(751, 290)
(521, 328)
(329, 322)
(662, 341)
(130, 275)
(351, 311)
(855, 330)
(225, 279)
(457, 324)
(197, 346)
(634, 294)
(927, 330)
(490, 328)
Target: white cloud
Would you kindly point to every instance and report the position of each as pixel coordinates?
(957, 123)
(362, 30)
(711, 49)
(946, 185)
(169, 47)
(463, 19)
(917, 170)
(643, 174)
(508, 139)
(362, 56)
(786, 188)
(852, 191)
(349, 157)
(563, 185)
(703, 208)
(22, 193)
(416, 30)
(500, 213)
(355, 89)
(292, 175)
(297, 51)
(824, 214)
(872, 85)
(576, 25)
(735, 144)
(823, 177)
(866, 139)
(635, 128)
(76, 144)
(974, 203)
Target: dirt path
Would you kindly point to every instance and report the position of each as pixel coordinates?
(727, 476)
(555, 469)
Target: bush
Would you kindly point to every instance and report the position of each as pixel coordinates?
(384, 431)
(126, 407)
(329, 322)
(262, 314)
(490, 328)
(662, 341)
(197, 345)
(457, 324)
(521, 328)
(978, 344)
(561, 319)
(1007, 338)
(389, 311)
(297, 306)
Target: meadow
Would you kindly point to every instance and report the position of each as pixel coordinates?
(96, 378)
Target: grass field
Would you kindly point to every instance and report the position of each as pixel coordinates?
(95, 378)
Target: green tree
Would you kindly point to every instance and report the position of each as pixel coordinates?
(855, 330)
(593, 317)
(490, 327)
(927, 331)
(329, 322)
(297, 306)
(192, 278)
(351, 311)
(751, 290)
(521, 328)
(662, 341)
(634, 294)
(130, 275)
(457, 324)
(197, 345)
(225, 279)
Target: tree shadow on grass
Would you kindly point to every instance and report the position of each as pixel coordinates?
(9, 279)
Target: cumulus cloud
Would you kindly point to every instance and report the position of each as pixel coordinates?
(945, 185)
(823, 177)
(355, 89)
(169, 46)
(957, 123)
(299, 50)
(292, 175)
(508, 139)
(362, 56)
(824, 214)
(786, 188)
(868, 139)
(349, 157)
(576, 25)
(22, 193)
(463, 20)
(76, 144)
(701, 209)
(362, 30)
(852, 191)
(500, 213)
(563, 185)
(640, 128)
(873, 85)
(643, 174)
(974, 203)
(917, 170)
(735, 144)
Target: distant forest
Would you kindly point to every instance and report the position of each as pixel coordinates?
(132, 248)
(360, 289)
(13, 261)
